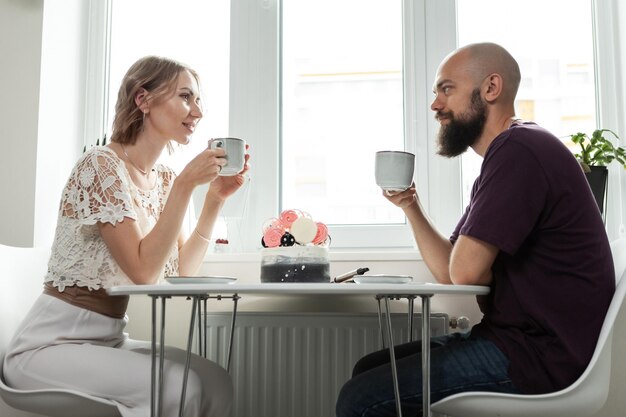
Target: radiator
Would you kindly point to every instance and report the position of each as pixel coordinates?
(293, 365)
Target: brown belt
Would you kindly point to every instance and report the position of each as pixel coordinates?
(93, 300)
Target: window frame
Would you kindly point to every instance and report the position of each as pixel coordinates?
(255, 114)
(609, 69)
(429, 31)
(97, 61)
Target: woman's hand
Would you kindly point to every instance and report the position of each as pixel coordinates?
(223, 187)
(204, 168)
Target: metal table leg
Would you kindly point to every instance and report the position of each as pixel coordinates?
(380, 324)
(392, 354)
(201, 339)
(156, 403)
(188, 360)
(204, 318)
(411, 299)
(156, 394)
(161, 356)
(425, 348)
(156, 398)
(153, 354)
(425, 355)
(232, 331)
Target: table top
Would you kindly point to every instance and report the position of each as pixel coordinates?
(418, 289)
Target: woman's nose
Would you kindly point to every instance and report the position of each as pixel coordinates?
(196, 110)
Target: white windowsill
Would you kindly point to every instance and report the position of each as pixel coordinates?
(334, 256)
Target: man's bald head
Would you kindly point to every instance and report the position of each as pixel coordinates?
(483, 59)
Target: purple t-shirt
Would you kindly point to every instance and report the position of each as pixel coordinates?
(553, 278)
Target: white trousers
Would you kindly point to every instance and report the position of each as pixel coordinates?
(60, 345)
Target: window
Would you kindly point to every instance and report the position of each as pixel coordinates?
(194, 32)
(317, 86)
(342, 101)
(331, 86)
(557, 63)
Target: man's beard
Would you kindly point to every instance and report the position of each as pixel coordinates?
(463, 131)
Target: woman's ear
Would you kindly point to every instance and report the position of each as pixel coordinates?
(141, 100)
(492, 87)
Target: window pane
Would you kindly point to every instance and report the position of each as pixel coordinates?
(555, 55)
(342, 101)
(195, 32)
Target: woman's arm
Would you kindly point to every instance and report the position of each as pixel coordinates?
(194, 248)
(143, 258)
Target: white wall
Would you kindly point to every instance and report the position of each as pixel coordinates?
(20, 49)
(40, 117)
(20, 54)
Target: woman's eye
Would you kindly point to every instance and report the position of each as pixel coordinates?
(185, 97)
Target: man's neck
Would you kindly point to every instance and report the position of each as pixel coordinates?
(492, 129)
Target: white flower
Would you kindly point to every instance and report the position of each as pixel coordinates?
(86, 176)
(111, 213)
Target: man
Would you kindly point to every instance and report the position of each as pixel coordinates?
(532, 232)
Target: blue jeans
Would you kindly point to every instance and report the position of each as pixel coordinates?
(458, 363)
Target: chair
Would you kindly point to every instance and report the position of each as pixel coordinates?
(581, 399)
(23, 270)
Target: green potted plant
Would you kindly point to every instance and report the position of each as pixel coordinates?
(596, 152)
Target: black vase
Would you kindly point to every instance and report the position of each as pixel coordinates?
(597, 180)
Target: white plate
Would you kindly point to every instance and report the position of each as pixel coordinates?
(200, 280)
(382, 279)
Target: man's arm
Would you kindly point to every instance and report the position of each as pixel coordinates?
(467, 262)
(471, 260)
(433, 246)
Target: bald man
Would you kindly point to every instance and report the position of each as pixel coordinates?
(532, 232)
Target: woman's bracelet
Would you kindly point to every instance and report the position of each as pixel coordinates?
(200, 236)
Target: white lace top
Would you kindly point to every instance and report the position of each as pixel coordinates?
(100, 190)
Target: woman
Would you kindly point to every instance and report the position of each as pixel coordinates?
(120, 222)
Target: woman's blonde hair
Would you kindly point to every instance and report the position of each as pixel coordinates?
(156, 75)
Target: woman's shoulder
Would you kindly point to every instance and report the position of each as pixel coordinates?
(98, 164)
(101, 153)
(98, 157)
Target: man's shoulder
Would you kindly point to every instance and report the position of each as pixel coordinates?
(531, 140)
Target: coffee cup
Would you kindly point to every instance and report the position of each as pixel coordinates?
(235, 149)
(394, 170)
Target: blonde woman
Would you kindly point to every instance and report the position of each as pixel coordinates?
(120, 222)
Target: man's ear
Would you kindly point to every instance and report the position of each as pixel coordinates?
(141, 100)
(493, 87)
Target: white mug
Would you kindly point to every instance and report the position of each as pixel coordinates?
(235, 149)
(394, 170)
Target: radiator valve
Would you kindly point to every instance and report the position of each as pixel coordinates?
(461, 323)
